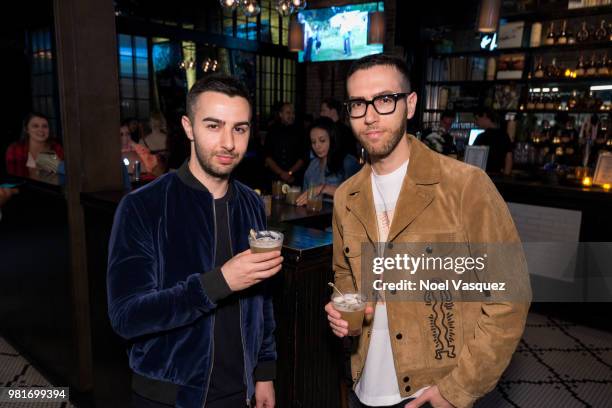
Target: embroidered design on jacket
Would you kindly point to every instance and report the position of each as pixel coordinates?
(441, 321)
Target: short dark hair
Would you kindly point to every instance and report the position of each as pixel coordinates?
(448, 114)
(333, 103)
(225, 84)
(382, 59)
(488, 112)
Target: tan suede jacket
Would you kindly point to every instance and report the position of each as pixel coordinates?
(462, 347)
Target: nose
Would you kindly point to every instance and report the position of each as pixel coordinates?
(227, 139)
(371, 115)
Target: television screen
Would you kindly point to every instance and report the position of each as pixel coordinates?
(337, 33)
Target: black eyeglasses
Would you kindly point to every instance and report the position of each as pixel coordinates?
(383, 104)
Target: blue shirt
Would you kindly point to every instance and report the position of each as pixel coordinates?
(315, 175)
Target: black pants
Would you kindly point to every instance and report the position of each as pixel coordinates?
(355, 403)
(238, 401)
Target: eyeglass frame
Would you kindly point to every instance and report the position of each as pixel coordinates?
(396, 96)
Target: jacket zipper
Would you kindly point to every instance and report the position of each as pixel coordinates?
(214, 251)
(229, 229)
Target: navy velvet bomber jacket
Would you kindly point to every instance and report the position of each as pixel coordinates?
(163, 287)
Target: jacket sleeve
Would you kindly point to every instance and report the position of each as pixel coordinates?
(136, 306)
(266, 363)
(343, 277)
(499, 328)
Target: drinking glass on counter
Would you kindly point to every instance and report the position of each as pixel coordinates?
(315, 199)
(293, 192)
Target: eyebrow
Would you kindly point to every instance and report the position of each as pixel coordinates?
(385, 92)
(222, 122)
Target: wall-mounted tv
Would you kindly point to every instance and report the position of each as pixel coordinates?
(337, 33)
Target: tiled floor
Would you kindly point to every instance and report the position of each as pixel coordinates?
(16, 371)
(557, 364)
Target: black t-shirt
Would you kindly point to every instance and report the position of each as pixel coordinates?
(227, 380)
(285, 145)
(499, 145)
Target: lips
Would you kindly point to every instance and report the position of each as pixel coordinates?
(374, 134)
(225, 159)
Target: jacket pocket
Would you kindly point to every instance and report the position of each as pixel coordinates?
(352, 250)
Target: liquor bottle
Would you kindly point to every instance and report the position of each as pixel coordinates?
(539, 71)
(601, 34)
(580, 68)
(571, 38)
(592, 67)
(552, 71)
(562, 38)
(549, 103)
(602, 67)
(531, 101)
(573, 100)
(583, 35)
(540, 102)
(550, 37)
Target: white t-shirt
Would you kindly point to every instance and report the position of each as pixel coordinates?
(378, 382)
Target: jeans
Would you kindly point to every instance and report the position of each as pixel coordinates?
(355, 403)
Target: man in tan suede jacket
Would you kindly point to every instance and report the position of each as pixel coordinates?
(411, 354)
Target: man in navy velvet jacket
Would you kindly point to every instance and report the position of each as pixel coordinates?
(183, 287)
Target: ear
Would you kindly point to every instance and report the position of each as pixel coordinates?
(411, 101)
(187, 127)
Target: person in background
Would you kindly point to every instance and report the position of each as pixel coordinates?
(35, 139)
(500, 146)
(184, 288)
(134, 151)
(439, 138)
(156, 141)
(284, 146)
(332, 108)
(331, 165)
(136, 132)
(5, 195)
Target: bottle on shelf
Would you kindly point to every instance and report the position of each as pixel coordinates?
(550, 102)
(536, 34)
(539, 70)
(580, 68)
(601, 34)
(531, 101)
(602, 67)
(583, 35)
(550, 37)
(562, 38)
(552, 71)
(573, 100)
(592, 67)
(540, 102)
(571, 38)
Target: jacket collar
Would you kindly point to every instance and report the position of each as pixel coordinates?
(187, 177)
(415, 194)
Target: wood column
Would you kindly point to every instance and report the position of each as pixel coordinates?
(85, 35)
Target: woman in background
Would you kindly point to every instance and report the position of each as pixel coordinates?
(35, 139)
(331, 166)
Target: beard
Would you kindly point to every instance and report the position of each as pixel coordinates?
(388, 145)
(206, 161)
